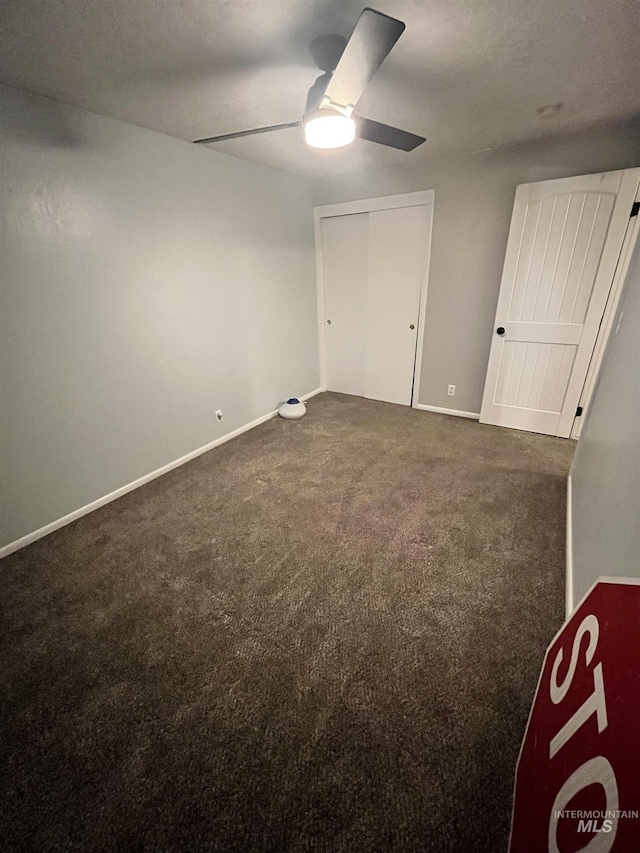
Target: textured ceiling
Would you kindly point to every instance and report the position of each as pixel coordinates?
(467, 74)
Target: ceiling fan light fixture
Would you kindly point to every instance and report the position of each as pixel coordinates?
(328, 119)
(328, 128)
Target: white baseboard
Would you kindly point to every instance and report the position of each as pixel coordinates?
(456, 412)
(123, 490)
(568, 596)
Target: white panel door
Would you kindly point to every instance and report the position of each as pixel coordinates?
(397, 255)
(564, 243)
(345, 242)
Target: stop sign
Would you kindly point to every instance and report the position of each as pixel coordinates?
(578, 775)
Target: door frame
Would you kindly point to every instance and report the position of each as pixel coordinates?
(610, 310)
(423, 198)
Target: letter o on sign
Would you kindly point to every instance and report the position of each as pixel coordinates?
(596, 770)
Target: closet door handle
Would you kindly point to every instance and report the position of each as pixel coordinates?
(328, 322)
(412, 326)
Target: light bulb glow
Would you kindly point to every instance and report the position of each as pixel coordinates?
(329, 129)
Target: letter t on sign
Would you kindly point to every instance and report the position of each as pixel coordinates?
(595, 704)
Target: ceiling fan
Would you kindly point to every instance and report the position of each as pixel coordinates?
(329, 119)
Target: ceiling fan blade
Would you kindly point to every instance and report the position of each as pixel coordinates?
(384, 134)
(371, 41)
(252, 132)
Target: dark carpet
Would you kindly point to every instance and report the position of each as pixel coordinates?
(322, 636)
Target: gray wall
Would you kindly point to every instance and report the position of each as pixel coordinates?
(473, 201)
(144, 283)
(605, 474)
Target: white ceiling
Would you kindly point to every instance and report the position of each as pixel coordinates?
(467, 74)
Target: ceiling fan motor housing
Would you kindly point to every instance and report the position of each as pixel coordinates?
(316, 93)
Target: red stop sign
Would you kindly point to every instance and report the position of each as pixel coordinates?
(578, 775)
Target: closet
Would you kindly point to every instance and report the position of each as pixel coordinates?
(373, 282)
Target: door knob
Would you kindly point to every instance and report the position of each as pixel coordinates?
(328, 322)
(500, 330)
(412, 326)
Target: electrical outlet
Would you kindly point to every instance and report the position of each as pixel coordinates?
(451, 391)
(219, 415)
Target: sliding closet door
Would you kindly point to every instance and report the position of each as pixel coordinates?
(345, 241)
(396, 267)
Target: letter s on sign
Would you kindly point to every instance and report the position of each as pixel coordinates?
(589, 625)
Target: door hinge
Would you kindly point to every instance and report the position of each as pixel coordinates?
(578, 411)
(635, 209)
